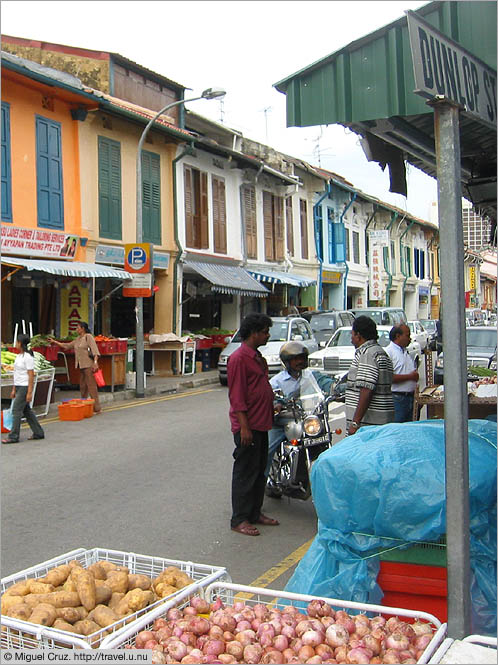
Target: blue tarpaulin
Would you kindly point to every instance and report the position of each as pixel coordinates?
(384, 486)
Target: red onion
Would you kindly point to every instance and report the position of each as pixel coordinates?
(266, 628)
(248, 614)
(312, 638)
(189, 638)
(199, 626)
(421, 628)
(243, 625)
(359, 655)
(379, 634)
(302, 627)
(227, 658)
(378, 622)
(314, 659)
(184, 624)
(177, 631)
(280, 642)
(408, 661)
(361, 629)
(201, 641)
(319, 608)
(288, 654)
(341, 654)
(390, 657)
(288, 631)
(305, 652)
(150, 644)
(223, 620)
(143, 637)
(177, 650)
(397, 641)
(235, 649)
(252, 653)
(376, 660)
(201, 605)
(228, 636)
(266, 639)
(362, 618)
(271, 657)
(373, 644)
(158, 624)
(296, 644)
(217, 605)
(354, 643)
(256, 623)
(324, 651)
(173, 614)
(213, 647)
(403, 655)
(158, 657)
(215, 632)
(246, 637)
(163, 634)
(189, 611)
(392, 624)
(345, 620)
(260, 611)
(406, 629)
(327, 621)
(421, 641)
(336, 635)
(316, 624)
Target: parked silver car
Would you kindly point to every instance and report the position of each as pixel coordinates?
(284, 329)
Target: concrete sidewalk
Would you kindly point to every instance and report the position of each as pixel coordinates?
(155, 386)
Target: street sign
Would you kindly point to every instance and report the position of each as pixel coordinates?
(377, 240)
(138, 262)
(139, 286)
(444, 68)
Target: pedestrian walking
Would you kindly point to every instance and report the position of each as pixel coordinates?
(405, 374)
(251, 418)
(368, 392)
(22, 393)
(86, 357)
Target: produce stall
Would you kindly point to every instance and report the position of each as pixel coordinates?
(161, 343)
(482, 400)
(43, 381)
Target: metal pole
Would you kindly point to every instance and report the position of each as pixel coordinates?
(447, 140)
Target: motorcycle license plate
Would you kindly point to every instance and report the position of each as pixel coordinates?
(315, 440)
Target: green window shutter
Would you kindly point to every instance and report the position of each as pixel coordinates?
(151, 198)
(110, 224)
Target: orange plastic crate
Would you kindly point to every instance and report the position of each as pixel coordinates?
(71, 411)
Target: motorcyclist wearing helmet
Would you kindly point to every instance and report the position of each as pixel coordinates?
(294, 356)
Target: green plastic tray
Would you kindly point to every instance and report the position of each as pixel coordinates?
(428, 554)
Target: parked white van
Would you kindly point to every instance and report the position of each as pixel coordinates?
(383, 316)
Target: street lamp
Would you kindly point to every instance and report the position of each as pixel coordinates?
(209, 93)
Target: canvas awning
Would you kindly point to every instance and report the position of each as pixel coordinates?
(232, 280)
(275, 277)
(66, 268)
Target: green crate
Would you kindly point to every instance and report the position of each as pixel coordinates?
(428, 554)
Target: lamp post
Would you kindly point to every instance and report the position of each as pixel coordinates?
(209, 93)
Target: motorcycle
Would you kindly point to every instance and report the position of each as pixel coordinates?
(305, 423)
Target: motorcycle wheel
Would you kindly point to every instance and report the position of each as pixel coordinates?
(278, 476)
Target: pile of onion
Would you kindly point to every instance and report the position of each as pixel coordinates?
(203, 633)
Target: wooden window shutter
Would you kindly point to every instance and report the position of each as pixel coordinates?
(6, 166)
(219, 216)
(215, 185)
(109, 173)
(268, 226)
(304, 228)
(278, 208)
(249, 202)
(151, 198)
(189, 206)
(289, 220)
(204, 235)
(50, 195)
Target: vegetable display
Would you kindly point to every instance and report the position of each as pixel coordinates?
(203, 633)
(87, 600)
(8, 359)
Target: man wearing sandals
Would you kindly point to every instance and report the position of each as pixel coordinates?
(251, 418)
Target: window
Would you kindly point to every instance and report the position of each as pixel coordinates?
(303, 207)
(356, 247)
(151, 198)
(303, 330)
(347, 244)
(50, 197)
(109, 188)
(219, 216)
(273, 227)
(251, 229)
(6, 172)
(336, 238)
(393, 258)
(406, 262)
(319, 232)
(416, 264)
(196, 208)
(289, 221)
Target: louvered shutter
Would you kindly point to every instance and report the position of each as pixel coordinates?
(268, 226)
(6, 167)
(189, 209)
(249, 201)
(204, 229)
(222, 219)
(289, 220)
(279, 227)
(50, 197)
(109, 155)
(304, 228)
(151, 198)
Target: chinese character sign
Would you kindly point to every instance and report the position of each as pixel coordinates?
(74, 306)
(377, 241)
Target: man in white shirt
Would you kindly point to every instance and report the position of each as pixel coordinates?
(405, 375)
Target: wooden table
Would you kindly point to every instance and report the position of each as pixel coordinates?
(479, 407)
(171, 347)
(113, 366)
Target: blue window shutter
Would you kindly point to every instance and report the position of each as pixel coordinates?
(110, 222)
(6, 168)
(319, 232)
(422, 264)
(50, 196)
(339, 242)
(330, 236)
(151, 198)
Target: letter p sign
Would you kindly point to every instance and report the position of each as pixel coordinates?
(138, 257)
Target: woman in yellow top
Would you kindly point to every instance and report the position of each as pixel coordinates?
(86, 356)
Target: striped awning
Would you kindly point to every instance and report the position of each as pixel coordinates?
(232, 280)
(66, 268)
(274, 277)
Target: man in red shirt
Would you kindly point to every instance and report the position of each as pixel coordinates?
(251, 417)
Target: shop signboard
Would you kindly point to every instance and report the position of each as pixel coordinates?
(377, 240)
(74, 306)
(115, 255)
(472, 278)
(138, 262)
(38, 242)
(331, 277)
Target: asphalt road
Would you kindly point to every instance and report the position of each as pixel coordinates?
(151, 477)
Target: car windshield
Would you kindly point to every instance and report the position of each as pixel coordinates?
(375, 315)
(429, 325)
(278, 333)
(343, 338)
(322, 322)
(484, 338)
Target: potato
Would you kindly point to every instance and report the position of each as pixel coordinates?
(56, 598)
(18, 589)
(57, 576)
(102, 595)
(97, 571)
(39, 587)
(74, 564)
(69, 585)
(19, 611)
(117, 581)
(85, 587)
(69, 614)
(104, 616)
(115, 599)
(82, 612)
(139, 582)
(8, 601)
(44, 614)
(133, 601)
(34, 599)
(164, 590)
(107, 566)
(86, 627)
(63, 625)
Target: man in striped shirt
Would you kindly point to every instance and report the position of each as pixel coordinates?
(368, 393)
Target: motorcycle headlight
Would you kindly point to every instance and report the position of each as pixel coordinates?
(312, 425)
(440, 363)
(316, 362)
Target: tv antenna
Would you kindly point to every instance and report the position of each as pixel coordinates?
(266, 111)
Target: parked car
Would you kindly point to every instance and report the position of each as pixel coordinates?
(475, 317)
(383, 316)
(325, 323)
(430, 326)
(284, 329)
(338, 355)
(418, 333)
(481, 351)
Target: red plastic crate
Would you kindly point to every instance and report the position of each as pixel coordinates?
(204, 343)
(415, 587)
(49, 352)
(122, 345)
(106, 348)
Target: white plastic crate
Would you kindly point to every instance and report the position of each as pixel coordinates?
(472, 649)
(253, 595)
(25, 635)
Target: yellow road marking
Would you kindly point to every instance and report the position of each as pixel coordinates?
(273, 573)
(129, 406)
